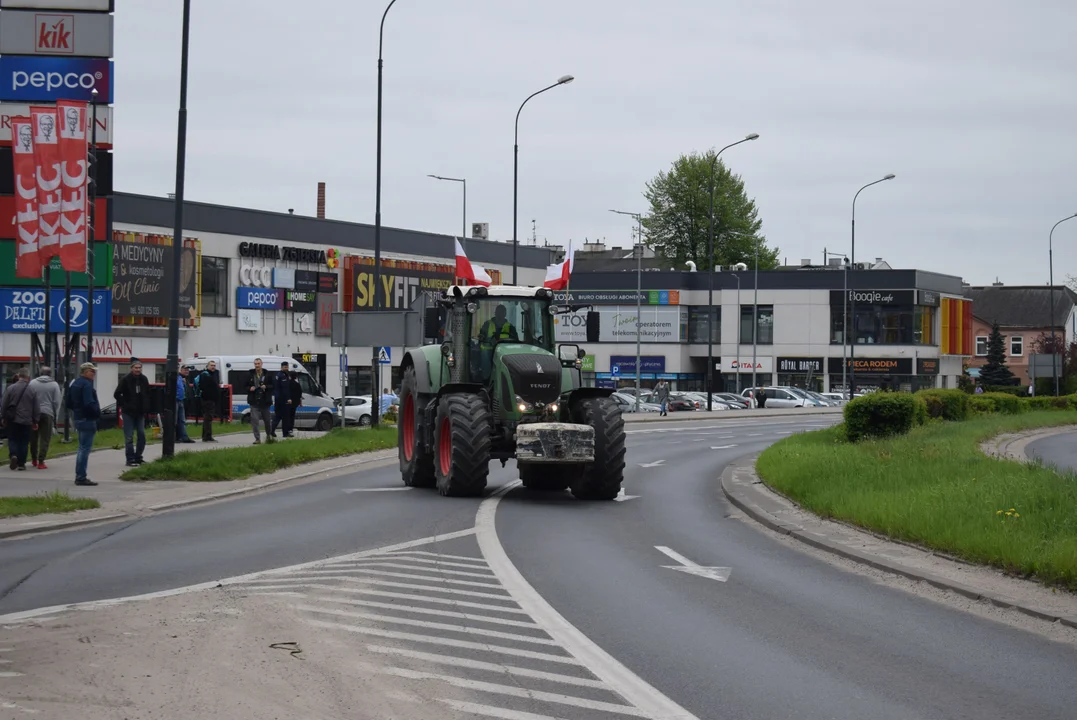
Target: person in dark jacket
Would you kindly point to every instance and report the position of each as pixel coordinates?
(259, 398)
(296, 393)
(282, 401)
(20, 412)
(208, 384)
(82, 401)
(133, 401)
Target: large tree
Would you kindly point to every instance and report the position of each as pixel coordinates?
(677, 225)
(995, 372)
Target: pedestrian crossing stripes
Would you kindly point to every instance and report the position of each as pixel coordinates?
(444, 621)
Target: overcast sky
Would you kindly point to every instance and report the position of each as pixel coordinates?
(971, 103)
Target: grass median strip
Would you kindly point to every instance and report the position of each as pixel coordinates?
(936, 488)
(237, 463)
(51, 502)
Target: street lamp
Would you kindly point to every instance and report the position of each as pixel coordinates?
(1051, 281)
(563, 80)
(852, 345)
(738, 267)
(710, 273)
(168, 442)
(463, 229)
(844, 326)
(637, 250)
(375, 369)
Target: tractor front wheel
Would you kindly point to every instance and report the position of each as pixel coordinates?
(462, 445)
(602, 479)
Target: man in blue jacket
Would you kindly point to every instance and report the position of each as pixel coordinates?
(82, 400)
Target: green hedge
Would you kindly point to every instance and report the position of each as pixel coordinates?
(883, 414)
(1003, 402)
(946, 404)
(1018, 390)
(978, 405)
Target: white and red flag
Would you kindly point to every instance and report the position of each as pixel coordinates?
(557, 276)
(27, 259)
(49, 171)
(471, 272)
(73, 117)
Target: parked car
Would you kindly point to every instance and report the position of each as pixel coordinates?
(357, 409)
(736, 401)
(627, 403)
(781, 398)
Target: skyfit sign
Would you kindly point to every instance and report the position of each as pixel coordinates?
(48, 79)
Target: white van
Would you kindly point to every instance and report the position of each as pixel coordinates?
(317, 411)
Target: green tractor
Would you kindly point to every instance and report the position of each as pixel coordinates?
(496, 389)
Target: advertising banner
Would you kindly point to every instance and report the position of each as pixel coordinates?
(327, 305)
(25, 32)
(249, 320)
(626, 364)
(306, 280)
(252, 298)
(28, 263)
(49, 170)
(618, 324)
(299, 301)
(94, 5)
(103, 122)
(619, 297)
(102, 261)
(8, 220)
(731, 364)
(142, 280)
(872, 366)
(328, 282)
(74, 202)
(25, 78)
(927, 366)
(24, 311)
(872, 297)
(402, 282)
(800, 365)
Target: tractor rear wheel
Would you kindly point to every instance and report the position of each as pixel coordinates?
(602, 479)
(546, 478)
(462, 445)
(416, 462)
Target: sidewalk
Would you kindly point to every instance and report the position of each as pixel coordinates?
(122, 499)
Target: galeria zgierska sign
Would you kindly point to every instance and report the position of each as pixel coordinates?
(281, 252)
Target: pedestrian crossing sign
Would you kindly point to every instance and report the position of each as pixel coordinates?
(384, 357)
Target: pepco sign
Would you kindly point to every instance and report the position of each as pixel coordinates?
(48, 79)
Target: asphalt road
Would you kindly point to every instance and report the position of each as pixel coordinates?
(1057, 450)
(787, 636)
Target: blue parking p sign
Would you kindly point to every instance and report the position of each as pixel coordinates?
(615, 370)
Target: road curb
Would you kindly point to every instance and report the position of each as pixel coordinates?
(189, 502)
(738, 485)
(1013, 446)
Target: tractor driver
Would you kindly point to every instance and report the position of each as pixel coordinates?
(496, 329)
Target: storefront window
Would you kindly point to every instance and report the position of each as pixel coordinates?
(699, 320)
(214, 286)
(764, 326)
(885, 325)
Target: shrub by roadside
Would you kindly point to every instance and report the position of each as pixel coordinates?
(946, 404)
(933, 486)
(883, 414)
(242, 462)
(51, 502)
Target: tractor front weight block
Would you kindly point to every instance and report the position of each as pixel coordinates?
(555, 442)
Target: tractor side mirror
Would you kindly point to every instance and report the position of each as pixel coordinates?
(569, 354)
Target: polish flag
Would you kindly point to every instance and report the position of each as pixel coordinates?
(557, 275)
(469, 271)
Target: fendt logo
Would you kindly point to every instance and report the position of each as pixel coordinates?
(54, 34)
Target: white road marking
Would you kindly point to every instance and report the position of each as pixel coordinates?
(656, 463)
(722, 447)
(619, 678)
(425, 578)
(400, 596)
(94, 604)
(495, 712)
(374, 562)
(392, 489)
(421, 611)
(10, 674)
(448, 642)
(427, 553)
(491, 667)
(622, 497)
(510, 690)
(404, 586)
(721, 574)
(427, 624)
(407, 558)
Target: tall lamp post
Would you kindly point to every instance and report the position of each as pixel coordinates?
(563, 80)
(844, 325)
(375, 369)
(738, 267)
(168, 442)
(637, 250)
(852, 345)
(1051, 281)
(463, 227)
(710, 275)
(92, 230)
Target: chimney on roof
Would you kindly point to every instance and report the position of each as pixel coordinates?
(321, 200)
(805, 262)
(996, 283)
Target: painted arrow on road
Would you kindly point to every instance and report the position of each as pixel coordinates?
(392, 489)
(656, 463)
(721, 574)
(621, 496)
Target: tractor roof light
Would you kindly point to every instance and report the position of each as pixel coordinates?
(472, 307)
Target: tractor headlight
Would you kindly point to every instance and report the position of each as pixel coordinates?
(472, 307)
(522, 405)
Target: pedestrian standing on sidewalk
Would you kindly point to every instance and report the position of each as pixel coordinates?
(282, 401)
(82, 401)
(48, 396)
(295, 391)
(181, 411)
(259, 397)
(133, 401)
(21, 410)
(661, 393)
(208, 389)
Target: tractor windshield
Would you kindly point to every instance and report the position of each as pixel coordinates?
(522, 320)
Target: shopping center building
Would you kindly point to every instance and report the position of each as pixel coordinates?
(913, 328)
